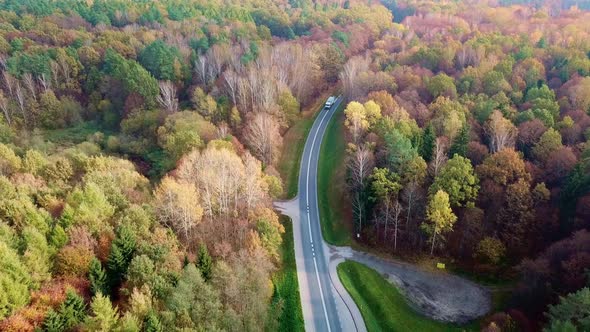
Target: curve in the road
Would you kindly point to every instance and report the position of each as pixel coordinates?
(326, 304)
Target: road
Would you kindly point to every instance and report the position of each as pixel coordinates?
(325, 302)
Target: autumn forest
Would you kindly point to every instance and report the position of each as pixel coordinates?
(142, 144)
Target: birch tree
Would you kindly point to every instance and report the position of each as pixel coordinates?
(177, 205)
(501, 132)
(263, 136)
(167, 97)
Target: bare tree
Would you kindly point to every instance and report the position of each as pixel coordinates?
(20, 99)
(353, 67)
(201, 69)
(361, 163)
(29, 83)
(9, 83)
(45, 82)
(222, 130)
(5, 109)
(501, 131)
(263, 136)
(167, 97)
(253, 192)
(440, 156)
(231, 79)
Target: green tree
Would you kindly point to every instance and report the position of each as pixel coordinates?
(573, 309)
(442, 85)
(73, 310)
(289, 106)
(459, 180)
(132, 75)
(440, 216)
(192, 304)
(98, 278)
(549, 142)
(399, 150)
(104, 317)
(53, 322)
(14, 281)
(384, 184)
(151, 323)
(460, 143)
(163, 61)
(427, 143)
(122, 251)
(204, 262)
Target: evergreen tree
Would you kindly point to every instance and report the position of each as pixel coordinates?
(427, 146)
(97, 277)
(204, 263)
(72, 310)
(152, 323)
(122, 250)
(104, 316)
(186, 261)
(53, 322)
(460, 143)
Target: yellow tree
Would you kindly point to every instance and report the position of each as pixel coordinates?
(177, 206)
(440, 216)
(356, 120)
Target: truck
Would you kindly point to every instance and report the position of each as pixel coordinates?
(329, 102)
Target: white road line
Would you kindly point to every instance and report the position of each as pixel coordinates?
(309, 219)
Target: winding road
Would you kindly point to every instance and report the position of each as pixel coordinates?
(326, 304)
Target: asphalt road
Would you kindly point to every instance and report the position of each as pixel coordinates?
(326, 304)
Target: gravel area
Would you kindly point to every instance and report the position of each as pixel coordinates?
(441, 296)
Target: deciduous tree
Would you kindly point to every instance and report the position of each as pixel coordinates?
(440, 216)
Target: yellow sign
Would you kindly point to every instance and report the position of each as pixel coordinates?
(440, 266)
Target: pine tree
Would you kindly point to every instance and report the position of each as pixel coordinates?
(186, 261)
(104, 316)
(204, 263)
(53, 322)
(122, 250)
(72, 310)
(97, 277)
(460, 143)
(152, 323)
(427, 144)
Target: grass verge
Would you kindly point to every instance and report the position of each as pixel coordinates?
(383, 307)
(332, 199)
(286, 284)
(293, 144)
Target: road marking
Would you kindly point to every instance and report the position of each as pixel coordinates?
(308, 167)
(309, 219)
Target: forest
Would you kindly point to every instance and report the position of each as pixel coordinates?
(140, 143)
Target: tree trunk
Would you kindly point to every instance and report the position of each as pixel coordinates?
(433, 238)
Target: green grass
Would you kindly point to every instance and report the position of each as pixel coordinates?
(332, 198)
(286, 284)
(73, 135)
(383, 307)
(293, 144)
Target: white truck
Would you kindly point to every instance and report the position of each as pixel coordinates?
(330, 102)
